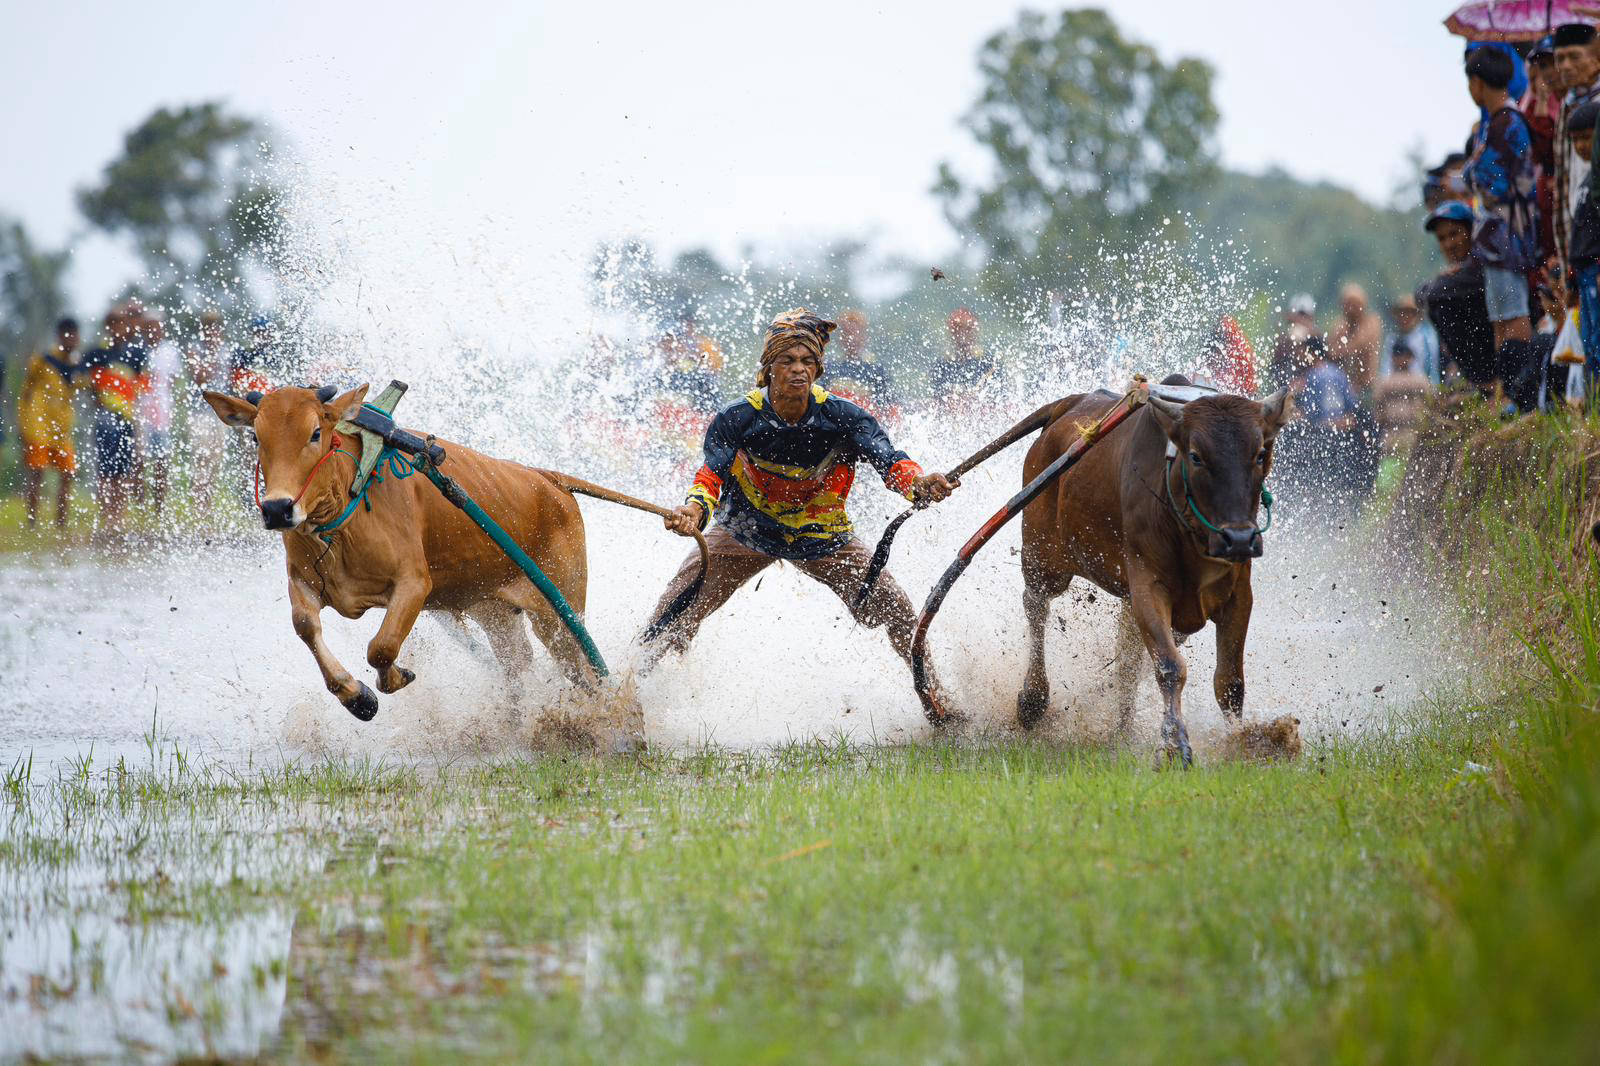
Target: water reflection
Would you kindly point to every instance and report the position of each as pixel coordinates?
(94, 985)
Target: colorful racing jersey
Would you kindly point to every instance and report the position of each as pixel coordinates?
(779, 487)
(118, 373)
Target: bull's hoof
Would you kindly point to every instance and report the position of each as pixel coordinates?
(1031, 705)
(394, 679)
(1170, 757)
(364, 704)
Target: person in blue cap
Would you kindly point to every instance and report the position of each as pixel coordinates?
(1454, 300)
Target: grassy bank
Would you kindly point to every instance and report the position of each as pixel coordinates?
(1498, 966)
(1422, 895)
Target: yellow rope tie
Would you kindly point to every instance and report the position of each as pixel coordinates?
(1090, 432)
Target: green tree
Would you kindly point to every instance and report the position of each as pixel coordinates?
(1095, 141)
(189, 189)
(32, 295)
(1297, 236)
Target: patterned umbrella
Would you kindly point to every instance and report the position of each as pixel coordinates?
(1517, 20)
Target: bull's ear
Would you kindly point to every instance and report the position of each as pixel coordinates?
(231, 409)
(1277, 409)
(347, 405)
(1169, 416)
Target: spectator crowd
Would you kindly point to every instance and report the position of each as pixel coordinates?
(138, 392)
(1514, 311)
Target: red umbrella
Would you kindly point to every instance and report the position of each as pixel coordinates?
(1517, 20)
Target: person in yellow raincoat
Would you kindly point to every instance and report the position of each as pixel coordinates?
(46, 418)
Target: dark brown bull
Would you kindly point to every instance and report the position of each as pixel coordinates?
(1129, 520)
(412, 549)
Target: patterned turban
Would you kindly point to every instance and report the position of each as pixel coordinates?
(799, 325)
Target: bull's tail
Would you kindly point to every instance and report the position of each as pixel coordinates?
(681, 602)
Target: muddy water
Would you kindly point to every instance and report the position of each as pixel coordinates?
(196, 637)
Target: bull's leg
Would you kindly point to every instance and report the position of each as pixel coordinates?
(306, 610)
(405, 603)
(1233, 620)
(1034, 699)
(502, 623)
(1152, 610)
(552, 632)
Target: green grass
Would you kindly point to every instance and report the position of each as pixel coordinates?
(180, 514)
(825, 904)
(1498, 964)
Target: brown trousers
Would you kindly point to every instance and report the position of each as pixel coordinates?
(731, 564)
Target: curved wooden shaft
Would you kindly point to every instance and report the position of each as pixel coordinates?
(880, 555)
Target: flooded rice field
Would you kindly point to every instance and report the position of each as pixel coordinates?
(179, 779)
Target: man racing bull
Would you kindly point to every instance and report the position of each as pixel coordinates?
(779, 465)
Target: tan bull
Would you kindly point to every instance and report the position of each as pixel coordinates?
(412, 550)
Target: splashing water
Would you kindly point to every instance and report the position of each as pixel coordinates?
(196, 632)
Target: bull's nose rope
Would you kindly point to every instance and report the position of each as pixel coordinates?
(1188, 498)
(255, 479)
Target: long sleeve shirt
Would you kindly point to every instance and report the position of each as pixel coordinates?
(780, 487)
(1570, 172)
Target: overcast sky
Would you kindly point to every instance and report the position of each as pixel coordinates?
(494, 141)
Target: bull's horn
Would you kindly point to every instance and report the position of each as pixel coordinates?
(253, 398)
(1172, 411)
(326, 393)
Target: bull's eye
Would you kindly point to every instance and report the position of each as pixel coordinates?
(254, 439)
(1194, 457)
(316, 435)
(1261, 458)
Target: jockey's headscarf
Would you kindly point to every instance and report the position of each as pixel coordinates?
(799, 325)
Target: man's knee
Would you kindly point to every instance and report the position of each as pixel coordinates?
(887, 606)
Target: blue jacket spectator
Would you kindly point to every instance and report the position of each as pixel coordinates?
(1500, 174)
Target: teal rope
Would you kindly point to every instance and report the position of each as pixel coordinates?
(1183, 468)
(400, 468)
(514, 552)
